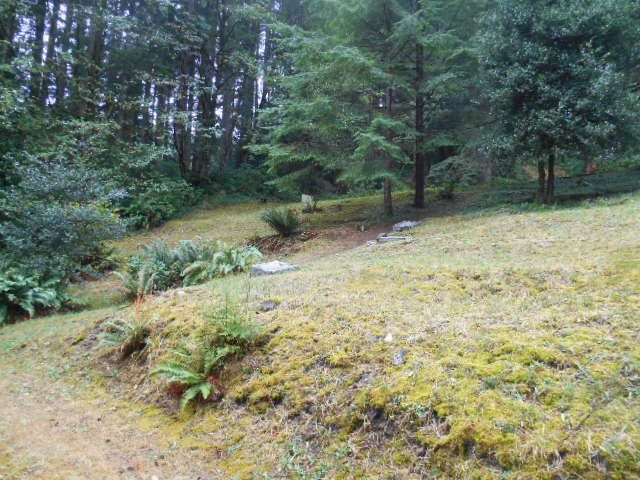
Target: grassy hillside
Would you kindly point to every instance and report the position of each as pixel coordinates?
(497, 344)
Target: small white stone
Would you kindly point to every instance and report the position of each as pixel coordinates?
(393, 238)
(406, 225)
(271, 268)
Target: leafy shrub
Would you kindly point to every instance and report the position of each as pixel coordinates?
(468, 169)
(245, 182)
(283, 220)
(227, 333)
(158, 201)
(21, 294)
(129, 337)
(145, 174)
(59, 218)
(160, 267)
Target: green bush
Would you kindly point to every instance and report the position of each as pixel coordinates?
(160, 267)
(150, 182)
(283, 220)
(24, 295)
(245, 182)
(58, 218)
(156, 268)
(227, 333)
(461, 170)
(158, 201)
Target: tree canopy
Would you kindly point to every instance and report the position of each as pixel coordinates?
(119, 114)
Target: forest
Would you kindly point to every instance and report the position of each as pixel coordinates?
(150, 148)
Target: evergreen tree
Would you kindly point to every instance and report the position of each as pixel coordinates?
(360, 68)
(555, 81)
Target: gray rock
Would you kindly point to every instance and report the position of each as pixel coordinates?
(398, 357)
(386, 238)
(309, 204)
(371, 243)
(271, 268)
(269, 305)
(406, 225)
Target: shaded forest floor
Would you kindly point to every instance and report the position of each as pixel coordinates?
(516, 326)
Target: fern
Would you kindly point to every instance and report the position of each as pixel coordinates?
(284, 221)
(220, 263)
(129, 337)
(225, 334)
(23, 294)
(159, 267)
(204, 389)
(139, 284)
(196, 383)
(177, 372)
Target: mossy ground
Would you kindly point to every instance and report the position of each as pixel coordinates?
(518, 326)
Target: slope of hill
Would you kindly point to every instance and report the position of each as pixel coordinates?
(497, 344)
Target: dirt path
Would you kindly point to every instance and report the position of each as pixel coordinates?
(47, 432)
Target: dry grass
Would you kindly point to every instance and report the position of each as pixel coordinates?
(239, 223)
(520, 336)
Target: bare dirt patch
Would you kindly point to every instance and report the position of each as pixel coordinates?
(50, 432)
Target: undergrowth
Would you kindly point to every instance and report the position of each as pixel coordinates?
(285, 221)
(226, 333)
(23, 295)
(131, 337)
(159, 267)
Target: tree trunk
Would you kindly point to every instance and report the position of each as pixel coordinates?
(96, 55)
(228, 126)
(39, 13)
(246, 121)
(160, 126)
(388, 197)
(147, 105)
(265, 70)
(51, 50)
(181, 123)
(542, 180)
(212, 54)
(65, 45)
(420, 160)
(551, 179)
(78, 73)
(8, 28)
